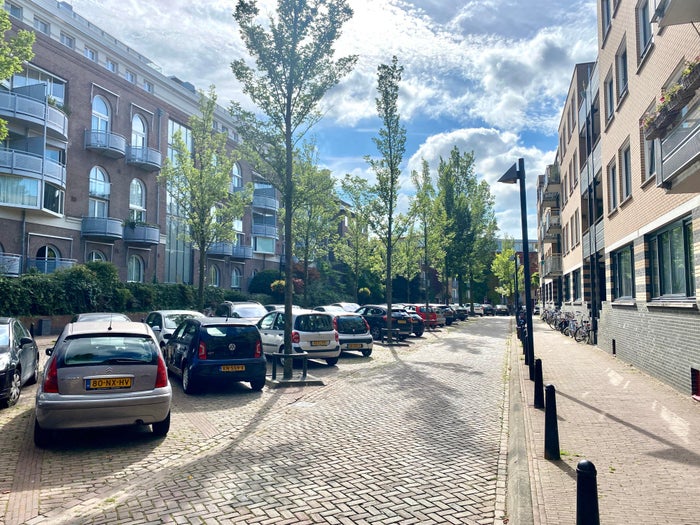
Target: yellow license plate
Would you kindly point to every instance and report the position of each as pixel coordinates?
(354, 345)
(108, 383)
(319, 343)
(402, 321)
(232, 368)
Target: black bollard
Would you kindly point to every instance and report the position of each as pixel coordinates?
(586, 494)
(525, 352)
(539, 388)
(551, 428)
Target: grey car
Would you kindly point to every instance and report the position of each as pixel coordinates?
(103, 374)
(164, 322)
(19, 360)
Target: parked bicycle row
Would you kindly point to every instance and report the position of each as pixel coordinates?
(574, 324)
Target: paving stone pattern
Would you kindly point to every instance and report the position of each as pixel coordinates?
(413, 434)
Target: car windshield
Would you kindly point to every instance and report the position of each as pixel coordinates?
(109, 349)
(174, 320)
(4, 335)
(314, 323)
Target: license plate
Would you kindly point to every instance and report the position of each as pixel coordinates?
(319, 343)
(232, 368)
(402, 321)
(354, 345)
(108, 383)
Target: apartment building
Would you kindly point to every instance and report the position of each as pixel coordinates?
(630, 235)
(90, 123)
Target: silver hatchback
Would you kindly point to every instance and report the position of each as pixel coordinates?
(103, 374)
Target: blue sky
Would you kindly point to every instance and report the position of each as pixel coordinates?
(488, 76)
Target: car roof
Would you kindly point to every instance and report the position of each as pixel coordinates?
(5, 320)
(233, 321)
(175, 312)
(96, 327)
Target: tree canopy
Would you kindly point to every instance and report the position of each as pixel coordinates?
(14, 52)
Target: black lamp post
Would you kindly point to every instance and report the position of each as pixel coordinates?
(513, 175)
(517, 293)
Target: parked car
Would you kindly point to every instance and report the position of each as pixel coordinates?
(312, 332)
(103, 374)
(417, 323)
(447, 312)
(348, 307)
(353, 333)
(99, 316)
(478, 309)
(19, 360)
(427, 313)
(221, 349)
(273, 307)
(248, 310)
(376, 317)
(501, 309)
(461, 311)
(164, 322)
(488, 309)
(439, 316)
(331, 308)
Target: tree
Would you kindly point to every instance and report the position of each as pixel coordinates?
(391, 144)
(14, 52)
(294, 68)
(198, 181)
(503, 268)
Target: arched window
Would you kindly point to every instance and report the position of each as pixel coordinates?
(100, 114)
(236, 176)
(96, 256)
(214, 276)
(139, 132)
(137, 201)
(98, 205)
(236, 278)
(46, 258)
(135, 269)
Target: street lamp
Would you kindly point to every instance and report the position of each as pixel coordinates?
(515, 258)
(513, 175)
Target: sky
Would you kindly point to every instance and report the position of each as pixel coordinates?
(487, 76)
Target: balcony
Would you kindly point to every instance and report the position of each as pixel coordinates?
(105, 143)
(594, 164)
(263, 230)
(549, 199)
(35, 113)
(105, 229)
(596, 242)
(552, 266)
(680, 161)
(10, 264)
(265, 198)
(142, 234)
(220, 249)
(147, 159)
(242, 252)
(552, 224)
(25, 164)
(50, 265)
(552, 177)
(675, 12)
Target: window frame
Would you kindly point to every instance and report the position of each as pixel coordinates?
(660, 269)
(610, 99)
(613, 179)
(623, 278)
(622, 70)
(645, 32)
(625, 173)
(135, 269)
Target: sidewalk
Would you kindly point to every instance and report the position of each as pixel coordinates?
(642, 436)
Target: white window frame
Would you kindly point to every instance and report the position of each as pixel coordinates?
(625, 173)
(622, 70)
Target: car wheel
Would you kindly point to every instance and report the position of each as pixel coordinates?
(376, 333)
(418, 333)
(15, 389)
(366, 353)
(257, 384)
(35, 376)
(187, 380)
(332, 361)
(161, 428)
(42, 436)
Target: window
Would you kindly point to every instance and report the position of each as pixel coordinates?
(90, 54)
(54, 198)
(214, 276)
(42, 26)
(672, 265)
(98, 203)
(644, 31)
(235, 278)
(576, 284)
(264, 245)
(651, 158)
(609, 88)
(626, 173)
(96, 256)
(130, 76)
(236, 177)
(67, 40)
(16, 191)
(100, 115)
(621, 70)
(135, 269)
(623, 272)
(111, 65)
(576, 228)
(612, 187)
(606, 15)
(138, 132)
(148, 86)
(137, 201)
(14, 10)
(567, 287)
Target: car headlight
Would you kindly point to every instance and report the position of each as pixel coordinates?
(4, 361)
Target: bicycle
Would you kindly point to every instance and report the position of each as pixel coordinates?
(583, 332)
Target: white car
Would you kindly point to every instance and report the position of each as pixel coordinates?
(354, 333)
(312, 332)
(164, 322)
(478, 309)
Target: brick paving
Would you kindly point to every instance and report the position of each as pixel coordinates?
(642, 436)
(415, 434)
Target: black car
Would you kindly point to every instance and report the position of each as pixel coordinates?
(376, 317)
(448, 312)
(19, 360)
(488, 309)
(206, 349)
(461, 312)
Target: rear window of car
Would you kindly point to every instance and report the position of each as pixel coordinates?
(351, 323)
(249, 311)
(221, 332)
(112, 349)
(314, 323)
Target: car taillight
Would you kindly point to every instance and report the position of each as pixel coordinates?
(337, 337)
(366, 323)
(51, 378)
(162, 374)
(295, 337)
(202, 354)
(335, 323)
(258, 348)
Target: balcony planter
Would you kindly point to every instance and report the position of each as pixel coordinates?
(655, 125)
(691, 76)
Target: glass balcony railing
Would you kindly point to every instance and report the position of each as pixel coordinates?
(102, 228)
(50, 265)
(147, 159)
(25, 164)
(34, 112)
(10, 264)
(681, 147)
(106, 143)
(142, 234)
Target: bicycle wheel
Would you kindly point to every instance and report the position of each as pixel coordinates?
(581, 334)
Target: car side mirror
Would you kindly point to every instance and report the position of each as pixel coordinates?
(25, 341)
(155, 328)
(167, 336)
(49, 351)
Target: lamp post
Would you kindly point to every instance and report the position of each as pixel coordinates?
(513, 175)
(517, 294)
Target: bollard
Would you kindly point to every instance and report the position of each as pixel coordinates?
(525, 351)
(551, 429)
(586, 494)
(539, 388)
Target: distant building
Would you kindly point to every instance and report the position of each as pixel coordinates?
(90, 123)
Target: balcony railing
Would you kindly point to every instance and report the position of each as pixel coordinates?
(24, 164)
(265, 198)
(142, 234)
(549, 199)
(242, 252)
(50, 265)
(681, 149)
(147, 159)
(10, 264)
(221, 249)
(106, 143)
(264, 230)
(102, 228)
(36, 113)
(552, 223)
(552, 176)
(675, 12)
(552, 266)
(595, 242)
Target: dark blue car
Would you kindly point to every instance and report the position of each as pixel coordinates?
(19, 360)
(208, 349)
